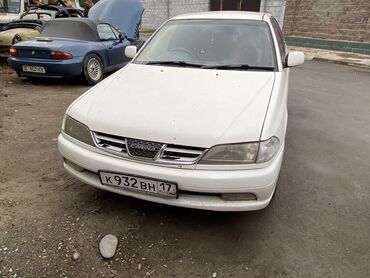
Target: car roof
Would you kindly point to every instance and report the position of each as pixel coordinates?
(224, 15)
(72, 28)
(91, 22)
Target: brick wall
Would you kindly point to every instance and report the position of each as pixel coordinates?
(158, 11)
(328, 19)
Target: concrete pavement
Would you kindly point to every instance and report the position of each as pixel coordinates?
(318, 224)
(338, 57)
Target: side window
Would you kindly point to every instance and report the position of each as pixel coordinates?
(279, 37)
(116, 33)
(106, 33)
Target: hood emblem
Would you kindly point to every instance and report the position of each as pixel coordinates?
(143, 149)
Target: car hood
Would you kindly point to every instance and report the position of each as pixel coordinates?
(185, 106)
(123, 14)
(6, 37)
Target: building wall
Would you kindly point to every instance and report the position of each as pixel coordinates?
(276, 8)
(158, 11)
(347, 20)
(155, 13)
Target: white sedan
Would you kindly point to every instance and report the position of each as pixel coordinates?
(197, 119)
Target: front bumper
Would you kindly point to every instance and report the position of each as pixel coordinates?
(53, 68)
(205, 184)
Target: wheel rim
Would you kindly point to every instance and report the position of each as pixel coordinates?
(94, 69)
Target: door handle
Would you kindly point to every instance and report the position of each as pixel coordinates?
(110, 47)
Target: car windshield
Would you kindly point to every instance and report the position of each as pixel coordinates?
(243, 44)
(10, 6)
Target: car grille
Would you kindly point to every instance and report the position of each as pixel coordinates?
(141, 149)
(144, 149)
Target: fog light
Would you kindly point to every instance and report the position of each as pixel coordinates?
(238, 196)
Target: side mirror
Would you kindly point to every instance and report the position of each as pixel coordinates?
(295, 58)
(130, 51)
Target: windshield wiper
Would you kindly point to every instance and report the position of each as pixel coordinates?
(175, 63)
(237, 67)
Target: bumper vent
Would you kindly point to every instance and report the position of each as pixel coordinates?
(147, 150)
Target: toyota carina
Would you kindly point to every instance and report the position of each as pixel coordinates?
(197, 119)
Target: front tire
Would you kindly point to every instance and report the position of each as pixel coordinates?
(93, 69)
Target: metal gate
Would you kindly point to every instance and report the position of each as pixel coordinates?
(235, 5)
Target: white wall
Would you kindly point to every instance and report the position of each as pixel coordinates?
(158, 11)
(274, 7)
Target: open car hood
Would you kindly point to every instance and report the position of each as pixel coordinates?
(123, 14)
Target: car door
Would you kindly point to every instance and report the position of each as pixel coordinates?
(115, 46)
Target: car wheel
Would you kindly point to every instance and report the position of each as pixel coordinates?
(93, 69)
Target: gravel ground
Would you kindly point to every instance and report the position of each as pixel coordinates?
(318, 225)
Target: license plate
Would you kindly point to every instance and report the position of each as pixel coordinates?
(33, 69)
(139, 184)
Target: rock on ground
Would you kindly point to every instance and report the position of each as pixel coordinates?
(108, 245)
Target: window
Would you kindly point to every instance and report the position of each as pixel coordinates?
(106, 33)
(236, 5)
(116, 33)
(212, 42)
(10, 6)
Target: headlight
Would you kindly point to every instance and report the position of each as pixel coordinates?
(231, 154)
(268, 149)
(245, 153)
(77, 130)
